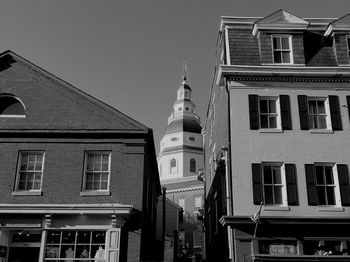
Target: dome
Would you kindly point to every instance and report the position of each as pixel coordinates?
(184, 125)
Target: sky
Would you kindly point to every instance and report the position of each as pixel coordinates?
(129, 53)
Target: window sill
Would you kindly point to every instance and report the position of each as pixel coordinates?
(95, 193)
(276, 208)
(27, 193)
(330, 209)
(270, 130)
(321, 131)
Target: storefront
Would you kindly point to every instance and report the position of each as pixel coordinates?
(38, 233)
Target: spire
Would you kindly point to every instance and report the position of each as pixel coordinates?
(184, 72)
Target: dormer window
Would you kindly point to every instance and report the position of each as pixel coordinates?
(11, 106)
(282, 49)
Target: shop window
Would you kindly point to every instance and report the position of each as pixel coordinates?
(11, 106)
(96, 171)
(81, 245)
(278, 247)
(324, 248)
(30, 171)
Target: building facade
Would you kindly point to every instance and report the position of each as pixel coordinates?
(277, 139)
(179, 160)
(68, 165)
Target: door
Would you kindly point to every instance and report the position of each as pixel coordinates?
(24, 254)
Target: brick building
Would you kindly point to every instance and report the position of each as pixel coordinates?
(277, 139)
(79, 179)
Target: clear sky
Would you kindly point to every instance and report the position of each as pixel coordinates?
(129, 53)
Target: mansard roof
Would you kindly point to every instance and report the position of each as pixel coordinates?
(280, 20)
(341, 24)
(52, 104)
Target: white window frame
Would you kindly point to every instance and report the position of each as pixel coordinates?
(85, 171)
(335, 185)
(196, 200)
(278, 112)
(283, 184)
(348, 47)
(327, 112)
(19, 171)
(290, 50)
(182, 199)
(173, 170)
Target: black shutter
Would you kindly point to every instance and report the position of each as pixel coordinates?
(303, 112)
(257, 184)
(343, 176)
(348, 100)
(285, 112)
(291, 179)
(311, 185)
(254, 112)
(335, 112)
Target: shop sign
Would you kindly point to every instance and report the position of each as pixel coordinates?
(12, 222)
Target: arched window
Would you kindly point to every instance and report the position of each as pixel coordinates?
(193, 165)
(11, 106)
(173, 168)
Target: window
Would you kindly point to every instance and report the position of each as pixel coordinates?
(193, 165)
(324, 247)
(319, 113)
(278, 247)
(11, 106)
(327, 184)
(97, 170)
(173, 167)
(198, 202)
(197, 238)
(30, 171)
(274, 189)
(68, 244)
(181, 202)
(274, 184)
(282, 49)
(269, 112)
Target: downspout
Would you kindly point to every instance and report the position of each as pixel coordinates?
(228, 173)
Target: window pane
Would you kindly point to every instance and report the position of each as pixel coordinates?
(83, 237)
(329, 175)
(88, 185)
(272, 106)
(273, 122)
(31, 157)
(286, 57)
(312, 107)
(321, 194)
(322, 122)
(263, 106)
(96, 185)
(278, 195)
(267, 175)
(330, 195)
(22, 185)
(277, 175)
(277, 57)
(37, 185)
(285, 43)
(319, 175)
(312, 121)
(30, 166)
(90, 163)
(105, 166)
(268, 195)
(104, 185)
(89, 176)
(264, 121)
(276, 43)
(321, 107)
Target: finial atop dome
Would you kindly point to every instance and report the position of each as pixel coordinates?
(184, 72)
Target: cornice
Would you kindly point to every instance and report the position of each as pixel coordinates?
(340, 74)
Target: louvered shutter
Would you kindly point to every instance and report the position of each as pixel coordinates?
(311, 184)
(113, 248)
(348, 101)
(257, 184)
(285, 112)
(253, 111)
(303, 112)
(291, 181)
(343, 176)
(335, 112)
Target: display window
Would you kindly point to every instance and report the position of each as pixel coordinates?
(75, 245)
